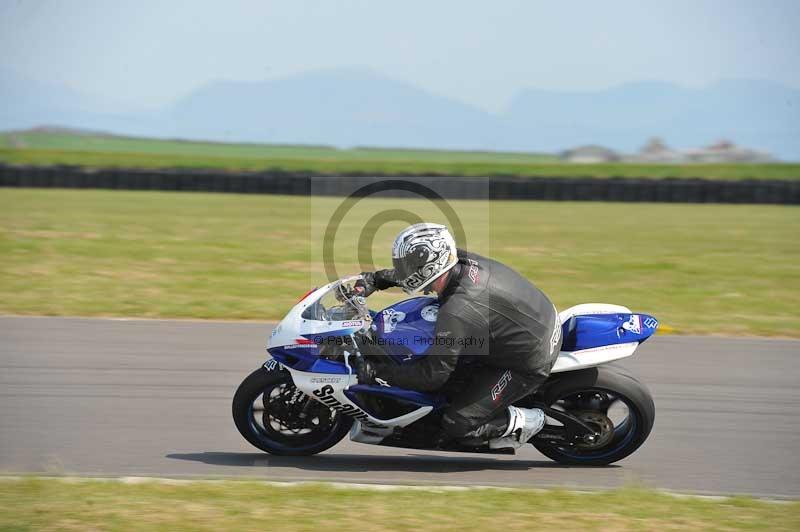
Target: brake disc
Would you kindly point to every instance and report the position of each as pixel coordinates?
(601, 424)
(295, 411)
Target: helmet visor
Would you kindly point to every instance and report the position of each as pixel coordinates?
(412, 263)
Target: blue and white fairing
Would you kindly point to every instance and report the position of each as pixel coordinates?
(405, 330)
(322, 316)
(596, 333)
(593, 334)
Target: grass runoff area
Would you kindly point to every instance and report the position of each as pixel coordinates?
(705, 269)
(53, 148)
(33, 504)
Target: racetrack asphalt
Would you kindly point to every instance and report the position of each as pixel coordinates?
(103, 397)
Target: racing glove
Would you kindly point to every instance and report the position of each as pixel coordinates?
(372, 281)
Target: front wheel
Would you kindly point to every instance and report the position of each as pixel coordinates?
(615, 404)
(272, 414)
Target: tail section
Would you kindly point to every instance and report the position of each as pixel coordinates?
(596, 333)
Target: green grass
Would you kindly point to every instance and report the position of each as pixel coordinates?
(134, 145)
(42, 148)
(700, 269)
(35, 504)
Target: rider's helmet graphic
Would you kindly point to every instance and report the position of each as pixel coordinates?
(421, 253)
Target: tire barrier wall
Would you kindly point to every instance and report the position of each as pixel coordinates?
(669, 190)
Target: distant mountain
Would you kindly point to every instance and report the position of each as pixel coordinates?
(342, 107)
(29, 103)
(349, 107)
(756, 114)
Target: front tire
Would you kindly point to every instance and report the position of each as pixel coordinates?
(590, 394)
(274, 416)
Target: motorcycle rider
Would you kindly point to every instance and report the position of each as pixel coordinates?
(513, 331)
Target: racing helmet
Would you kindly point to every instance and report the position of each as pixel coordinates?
(421, 253)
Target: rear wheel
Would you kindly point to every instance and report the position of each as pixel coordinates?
(612, 402)
(272, 414)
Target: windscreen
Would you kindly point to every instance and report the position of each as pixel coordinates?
(339, 303)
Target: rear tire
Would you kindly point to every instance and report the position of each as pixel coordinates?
(603, 381)
(260, 384)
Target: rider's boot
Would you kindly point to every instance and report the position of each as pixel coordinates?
(523, 424)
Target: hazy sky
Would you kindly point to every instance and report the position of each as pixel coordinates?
(148, 53)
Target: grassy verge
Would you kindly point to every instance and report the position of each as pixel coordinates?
(235, 505)
(700, 269)
(41, 148)
(39, 140)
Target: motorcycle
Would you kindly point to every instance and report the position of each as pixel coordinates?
(306, 397)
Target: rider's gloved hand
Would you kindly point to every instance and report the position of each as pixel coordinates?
(366, 286)
(365, 370)
(379, 280)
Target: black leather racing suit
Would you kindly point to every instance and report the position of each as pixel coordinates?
(497, 336)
